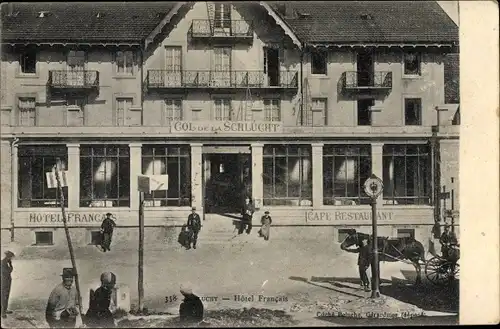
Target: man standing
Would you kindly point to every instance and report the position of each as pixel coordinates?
(248, 211)
(6, 281)
(191, 308)
(194, 225)
(447, 239)
(62, 307)
(107, 227)
(99, 315)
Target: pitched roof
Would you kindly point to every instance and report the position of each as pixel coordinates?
(452, 78)
(387, 21)
(78, 21)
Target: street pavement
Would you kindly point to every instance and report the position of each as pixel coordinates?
(277, 273)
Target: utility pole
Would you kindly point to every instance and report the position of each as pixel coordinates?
(373, 187)
(68, 237)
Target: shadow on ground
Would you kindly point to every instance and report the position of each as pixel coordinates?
(426, 296)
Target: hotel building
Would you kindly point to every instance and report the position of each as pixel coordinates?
(294, 104)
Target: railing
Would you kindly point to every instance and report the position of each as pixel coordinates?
(73, 79)
(367, 80)
(204, 28)
(220, 79)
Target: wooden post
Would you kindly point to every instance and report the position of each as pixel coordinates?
(140, 280)
(68, 237)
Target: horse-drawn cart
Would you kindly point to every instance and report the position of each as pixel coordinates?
(443, 270)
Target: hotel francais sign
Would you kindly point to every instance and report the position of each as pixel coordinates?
(225, 127)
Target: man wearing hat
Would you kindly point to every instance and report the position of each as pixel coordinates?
(99, 315)
(266, 225)
(6, 281)
(191, 308)
(447, 239)
(194, 225)
(107, 227)
(62, 307)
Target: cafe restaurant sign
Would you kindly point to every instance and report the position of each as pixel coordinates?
(225, 127)
(339, 216)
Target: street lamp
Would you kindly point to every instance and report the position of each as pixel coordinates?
(374, 187)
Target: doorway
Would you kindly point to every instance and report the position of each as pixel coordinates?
(272, 66)
(227, 182)
(365, 68)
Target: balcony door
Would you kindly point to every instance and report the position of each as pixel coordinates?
(365, 68)
(75, 74)
(221, 67)
(222, 19)
(272, 66)
(173, 66)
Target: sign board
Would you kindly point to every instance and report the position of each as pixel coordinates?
(225, 127)
(340, 216)
(52, 181)
(373, 186)
(150, 183)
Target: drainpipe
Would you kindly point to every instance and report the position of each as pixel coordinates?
(13, 159)
(302, 85)
(142, 83)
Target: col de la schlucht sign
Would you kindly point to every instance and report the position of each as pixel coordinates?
(225, 127)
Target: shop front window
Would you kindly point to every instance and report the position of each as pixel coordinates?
(104, 176)
(34, 163)
(175, 162)
(407, 174)
(287, 175)
(345, 170)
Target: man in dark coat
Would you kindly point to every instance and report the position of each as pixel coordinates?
(6, 283)
(246, 222)
(447, 239)
(107, 227)
(191, 308)
(99, 315)
(194, 225)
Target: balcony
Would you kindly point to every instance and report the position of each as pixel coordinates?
(221, 80)
(222, 30)
(381, 80)
(73, 80)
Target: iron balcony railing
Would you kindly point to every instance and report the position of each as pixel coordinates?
(74, 79)
(368, 80)
(205, 28)
(221, 79)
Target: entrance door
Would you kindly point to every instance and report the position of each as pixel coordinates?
(76, 68)
(173, 61)
(272, 66)
(222, 67)
(227, 182)
(365, 68)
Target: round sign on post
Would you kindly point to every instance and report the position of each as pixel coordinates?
(373, 186)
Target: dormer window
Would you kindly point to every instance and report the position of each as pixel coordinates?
(42, 14)
(412, 63)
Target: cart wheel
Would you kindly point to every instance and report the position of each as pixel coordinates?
(437, 271)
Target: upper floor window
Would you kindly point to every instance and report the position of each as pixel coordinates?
(412, 63)
(124, 115)
(319, 62)
(365, 111)
(173, 110)
(222, 109)
(125, 62)
(76, 59)
(27, 111)
(222, 15)
(28, 61)
(75, 111)
(272, 109)
(413, 111)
